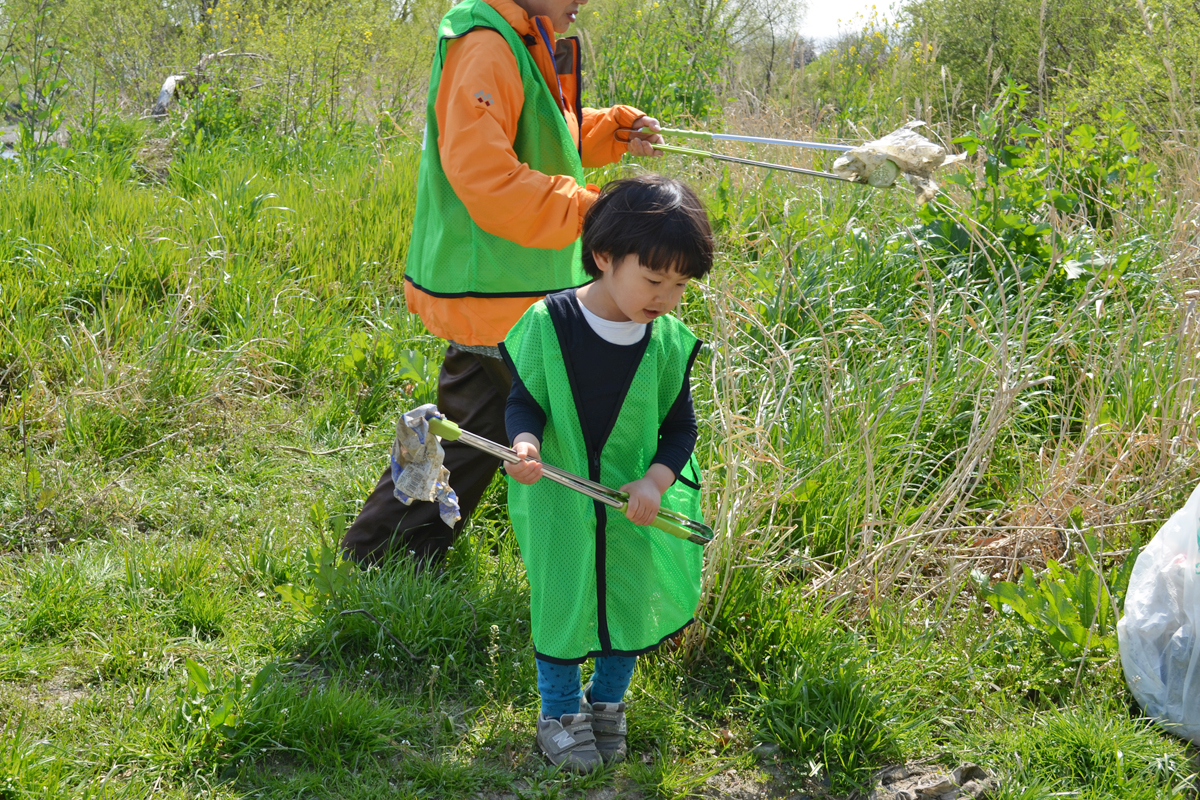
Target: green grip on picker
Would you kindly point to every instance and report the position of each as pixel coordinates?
(678, 531)
(445, 428)
(686, 134)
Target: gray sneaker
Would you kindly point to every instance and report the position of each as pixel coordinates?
(608, 725)
(569, 743)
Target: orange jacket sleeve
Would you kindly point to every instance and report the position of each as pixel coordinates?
(599, 128)
(478, 104)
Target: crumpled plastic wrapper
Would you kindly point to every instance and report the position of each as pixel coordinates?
(417, 469)
(908, 152)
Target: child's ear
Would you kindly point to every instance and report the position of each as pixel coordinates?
(604, 261)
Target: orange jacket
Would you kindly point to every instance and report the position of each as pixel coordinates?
(478, 103)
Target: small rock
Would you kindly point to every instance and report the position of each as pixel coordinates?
(939, 785)
(970, 772)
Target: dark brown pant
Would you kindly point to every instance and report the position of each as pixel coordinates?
(472, 391)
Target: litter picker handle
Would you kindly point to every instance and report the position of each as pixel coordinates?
(667, 521)
(686, 134)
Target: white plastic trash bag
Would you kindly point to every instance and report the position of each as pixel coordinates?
(1158, 634)
(903, 151)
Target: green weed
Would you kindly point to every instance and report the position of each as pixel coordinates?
(817, 694)
(322, 726)
(58, 599)
(1075, 611)
(211, 705)
(23, 761)
(133, 651)
(264, 562)
(1098, 753)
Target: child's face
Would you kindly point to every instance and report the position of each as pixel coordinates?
(561, 12)
(638, 292)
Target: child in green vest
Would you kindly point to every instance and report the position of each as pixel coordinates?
(600, 388)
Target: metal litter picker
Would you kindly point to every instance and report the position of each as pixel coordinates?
(879, 163)
(418, 473)
(733, 137)
(691, 151)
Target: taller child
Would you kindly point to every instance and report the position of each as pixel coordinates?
(501, 199)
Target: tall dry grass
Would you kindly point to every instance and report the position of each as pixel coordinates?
(992, 419)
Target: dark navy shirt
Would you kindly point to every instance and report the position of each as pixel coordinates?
(603, 371)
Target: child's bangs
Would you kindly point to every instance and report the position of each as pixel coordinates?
(671, 249)
(663, 259)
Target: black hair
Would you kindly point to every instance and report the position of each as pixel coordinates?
(659, 219)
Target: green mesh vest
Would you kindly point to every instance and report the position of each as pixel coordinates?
(600, 585)
(449, 255)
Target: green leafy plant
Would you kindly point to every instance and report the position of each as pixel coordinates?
(1034, 173)
(1011, 201)
(1104, 164)
(376, 371)
(38, 496)
(835, 715)
(327, 575)
(1074, 612)
(214, 112)
(211, 703)
(815, 692)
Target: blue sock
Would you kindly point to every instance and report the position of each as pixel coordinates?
(558, 684)
(611, 678)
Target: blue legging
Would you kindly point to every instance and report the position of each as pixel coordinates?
(558, 684)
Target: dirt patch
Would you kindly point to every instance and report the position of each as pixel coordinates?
(757, 784)
(623, 791)
(67, 697)
(62, 691)
(922, 782)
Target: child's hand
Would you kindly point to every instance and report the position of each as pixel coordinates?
(639, 144)
(526, 472)
(644, 499)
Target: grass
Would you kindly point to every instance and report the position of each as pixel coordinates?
(198, 380)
